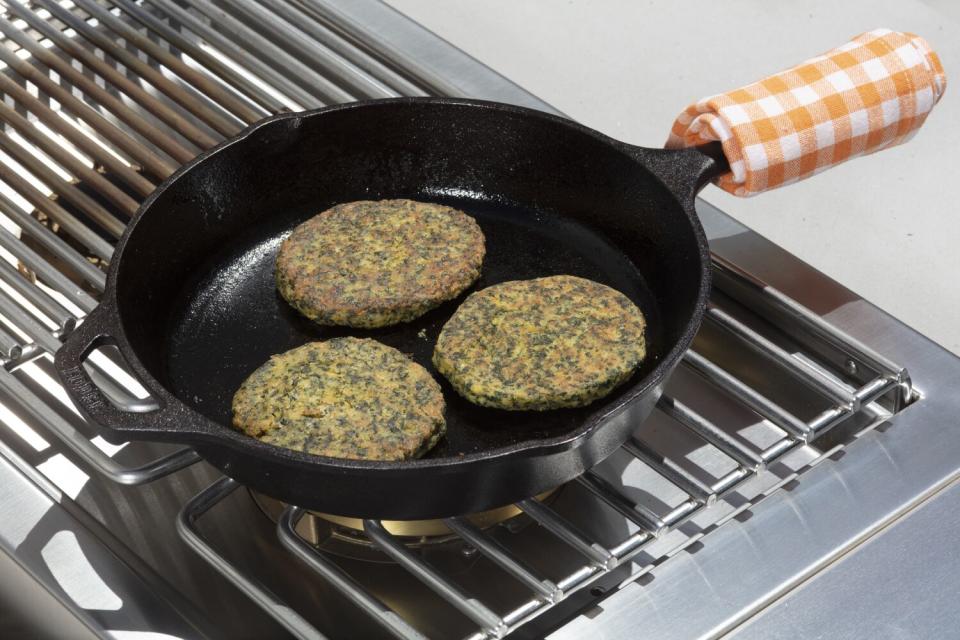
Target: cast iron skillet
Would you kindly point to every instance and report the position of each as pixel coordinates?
(191, 304)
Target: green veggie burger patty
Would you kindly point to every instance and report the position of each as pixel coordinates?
(370, 264)
(343, 398)
(541, 344)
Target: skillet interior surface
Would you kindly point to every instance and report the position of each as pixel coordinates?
(228, 318)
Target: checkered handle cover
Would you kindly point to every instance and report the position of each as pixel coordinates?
(869, 94)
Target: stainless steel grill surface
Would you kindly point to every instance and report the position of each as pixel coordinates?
(791, 434)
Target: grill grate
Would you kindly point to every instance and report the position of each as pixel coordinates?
(103, 101)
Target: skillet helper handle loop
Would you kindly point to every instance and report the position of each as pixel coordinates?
(869, 94)
(96, 330)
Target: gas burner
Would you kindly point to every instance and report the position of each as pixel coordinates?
(344, 536)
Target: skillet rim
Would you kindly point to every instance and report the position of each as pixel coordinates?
(214, 432)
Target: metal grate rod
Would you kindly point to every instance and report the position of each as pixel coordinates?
(559, 527)
(503, 558)
(804, 372)
(80, 109)
(32, 405)
(358, 35)
(33, 261)
(738, 476)
(216, 118)
(48, 176)
(271, 75)
(68, 161)
(671, 471)
(470, 607)
(71, 224)
(223, 122)
(177, 122)
(819, 327)
(307, 23)
(874, 389)
(342, 581)
(317, 85)
(250, 90)
(10, 348)
(82, 142)
(26, 322)
(263, 597)
(778, 449)
(764, 406)
(637, 513)
(710, 432)
(292, 34)
(37, 297)
(88, 85)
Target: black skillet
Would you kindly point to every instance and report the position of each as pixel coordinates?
(190, 300)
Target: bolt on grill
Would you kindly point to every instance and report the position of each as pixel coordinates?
(104, 100)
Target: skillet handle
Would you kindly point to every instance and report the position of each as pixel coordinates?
(143, 421)
(864, 96)
(96, 330)
(684, 171)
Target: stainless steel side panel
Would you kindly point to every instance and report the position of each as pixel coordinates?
(858, 599)
(89, 591)
(29, 610)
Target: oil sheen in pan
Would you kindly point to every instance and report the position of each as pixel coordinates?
(230, 319)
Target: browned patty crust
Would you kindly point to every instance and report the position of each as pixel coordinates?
(376, 263)
(344, 398)
(540, 344)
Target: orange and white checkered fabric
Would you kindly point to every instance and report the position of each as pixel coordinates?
(869, 94)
